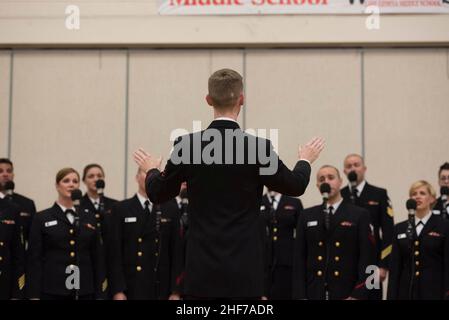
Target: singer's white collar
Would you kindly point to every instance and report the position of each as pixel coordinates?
(335, 205)
(2, 195)
(178, 200)
(424, 220)
(360, 187)
(277, 197)
(142, 200)
(64, 209)
(94, 200)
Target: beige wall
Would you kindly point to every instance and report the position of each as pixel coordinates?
(407, 95)
(70, 106)
(68, 110)
(136, 23)
(5, 63)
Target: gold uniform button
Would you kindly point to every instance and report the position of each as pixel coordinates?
(156, 240)
(97, 216)
(416, 243)
(156, 254)
(337, 244)
(320, 243)
(139, 253)
(416, 253)
(139, 240)
(72, 254)
(1, 244)
(337, 258)
(1, 258)
(336, 273)
(139, 268)
(275, 238)
(71, 231)
(417, 273)
(417, 263)
(319, 273)
(320, 258)
(98, 225)
(275, 229)
(72, 242)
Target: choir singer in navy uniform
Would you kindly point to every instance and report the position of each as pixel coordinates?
(63, 259)
(419, 268)
(147, 260)
(95, 200)
(280, 215)
(377, 202)
(224, 255)
(26, 205)
(332, 254)
(12, 274)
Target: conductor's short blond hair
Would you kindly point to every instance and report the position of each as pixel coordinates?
(225, 87)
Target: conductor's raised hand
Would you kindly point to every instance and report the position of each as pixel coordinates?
(311, 151)
(145, 161)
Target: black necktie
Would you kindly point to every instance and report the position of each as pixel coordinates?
(331, 216)
(147, 206)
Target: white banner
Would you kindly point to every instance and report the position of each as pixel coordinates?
(260, 7)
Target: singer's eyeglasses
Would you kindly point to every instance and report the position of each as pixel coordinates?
(444, 178)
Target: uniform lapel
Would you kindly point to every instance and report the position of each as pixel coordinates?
(431, 223)
(363, 197)
(280, 204)
(338, 217)
(59, 215)
(89, 204)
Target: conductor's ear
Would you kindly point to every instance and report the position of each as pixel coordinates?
(241, 100)
(209, 100)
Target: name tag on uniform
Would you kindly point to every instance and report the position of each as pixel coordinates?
(25, 214)
(51, 223)
(312, 223)
(437, 212)
(130, 219)
(402, 236)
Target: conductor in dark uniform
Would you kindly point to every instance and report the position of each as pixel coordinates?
(12, 259)
(377, 202)
(225, 170)
(442, 207)
(63, 259)
(419, 268)
(95, 200)
(146, 248)
(26, 206)
(280, 215)
(331, 258)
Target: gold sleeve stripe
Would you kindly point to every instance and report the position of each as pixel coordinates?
(386, 252)
(104, 286)
(390, 211)
(21, 281)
